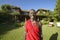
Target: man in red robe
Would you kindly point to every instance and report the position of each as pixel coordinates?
(32, 28)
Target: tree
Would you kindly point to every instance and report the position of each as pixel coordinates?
(57, 9)
(6, 7)
(8, 13)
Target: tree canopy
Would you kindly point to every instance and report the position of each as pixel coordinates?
(57, 9)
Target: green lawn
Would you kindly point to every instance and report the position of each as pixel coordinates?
(50, 33)
(11, 32)
(18, 33)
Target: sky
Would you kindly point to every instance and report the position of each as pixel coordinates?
(31, 4)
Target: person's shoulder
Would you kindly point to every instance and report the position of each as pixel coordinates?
(27, 20)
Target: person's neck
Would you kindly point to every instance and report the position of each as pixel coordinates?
(32, 19)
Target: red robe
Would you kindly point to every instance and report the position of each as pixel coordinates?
(32, 32)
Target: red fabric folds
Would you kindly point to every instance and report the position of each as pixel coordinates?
(32, 32)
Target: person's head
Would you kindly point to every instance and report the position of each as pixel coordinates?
(32, 13)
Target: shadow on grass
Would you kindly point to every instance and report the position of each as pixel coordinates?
(4, 28)
(54, 36)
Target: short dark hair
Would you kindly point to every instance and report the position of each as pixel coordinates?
(33, 10)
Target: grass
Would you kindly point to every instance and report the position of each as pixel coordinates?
(11, 32)
(15, 34)
(48, 33)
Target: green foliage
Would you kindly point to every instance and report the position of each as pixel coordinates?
(4, 16)
(15, 13)
(6, 7)
(19, 24)
(7, 14)
(45, 13)
(0, 7)
(44, 21)
(57, 10)
(58, 18)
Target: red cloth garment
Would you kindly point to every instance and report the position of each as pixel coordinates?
(32, 32)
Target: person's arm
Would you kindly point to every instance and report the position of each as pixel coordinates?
(40, 28)
(25, 28)
(24, 31)
(40, 24)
